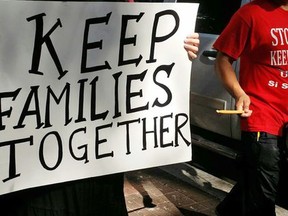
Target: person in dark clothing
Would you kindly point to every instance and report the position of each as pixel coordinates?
(101, 196)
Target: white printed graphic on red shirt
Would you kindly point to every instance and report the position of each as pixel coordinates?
(279, 57)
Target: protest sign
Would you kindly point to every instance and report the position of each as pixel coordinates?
(89, 89)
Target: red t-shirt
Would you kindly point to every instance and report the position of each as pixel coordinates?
(258, 33)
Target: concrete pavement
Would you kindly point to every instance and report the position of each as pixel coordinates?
(156, 192)
(175, 190)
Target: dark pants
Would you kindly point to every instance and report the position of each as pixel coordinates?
(101, 196)
(256, 191)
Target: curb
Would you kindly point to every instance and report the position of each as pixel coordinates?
(208, 183)
(200, 179)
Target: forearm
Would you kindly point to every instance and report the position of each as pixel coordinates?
(227, 75)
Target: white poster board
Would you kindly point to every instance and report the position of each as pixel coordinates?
(89, 89)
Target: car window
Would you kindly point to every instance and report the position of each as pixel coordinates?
(214, 15)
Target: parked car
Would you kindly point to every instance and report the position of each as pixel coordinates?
(207, 93)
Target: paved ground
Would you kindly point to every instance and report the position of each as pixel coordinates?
(175, 190)
(154, 192)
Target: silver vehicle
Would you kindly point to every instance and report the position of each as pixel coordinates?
(207, 93)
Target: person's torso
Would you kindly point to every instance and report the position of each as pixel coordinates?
(264, 66)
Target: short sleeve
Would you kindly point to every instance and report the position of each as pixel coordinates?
(233, 39)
